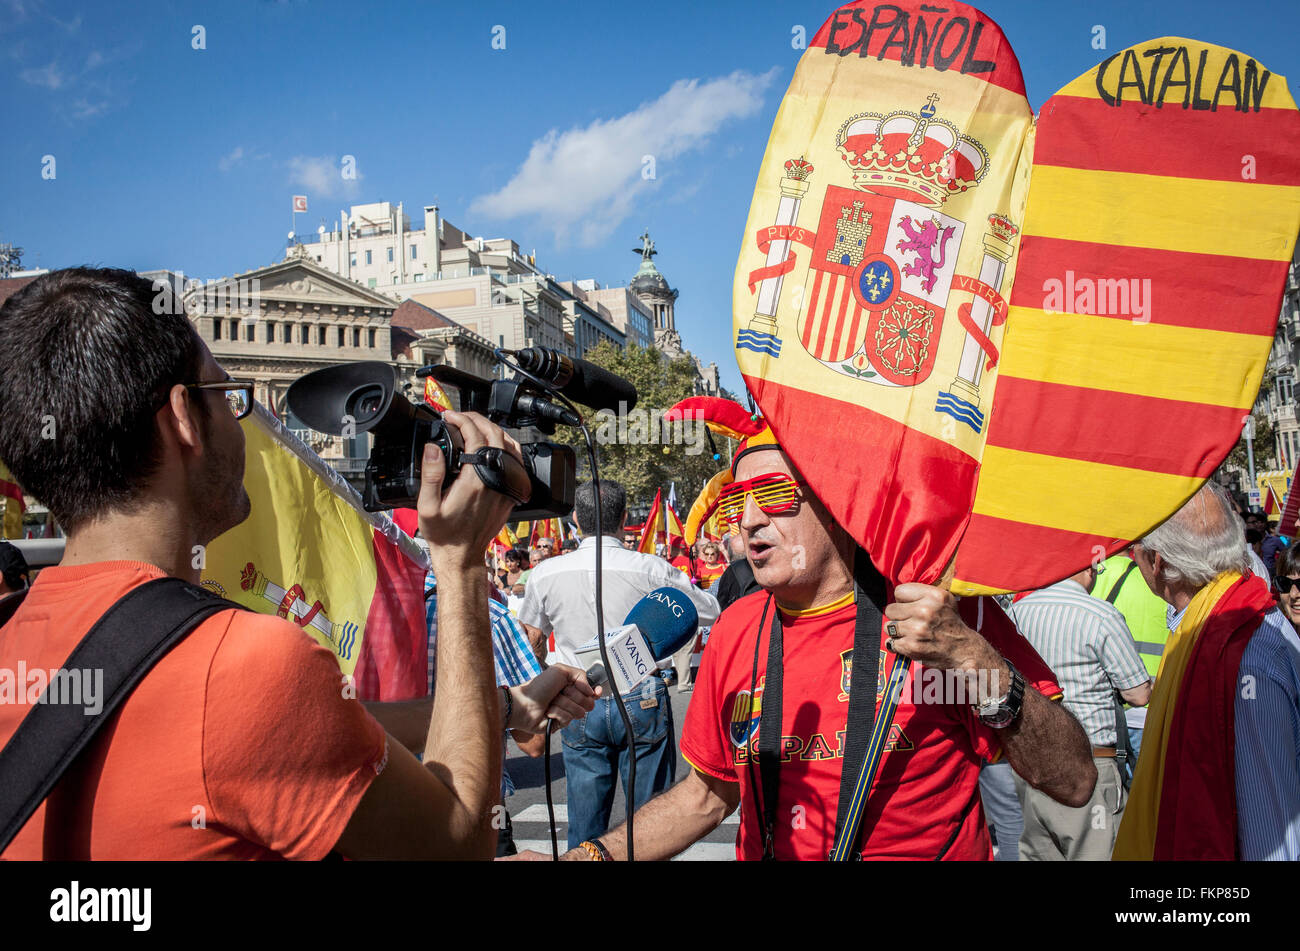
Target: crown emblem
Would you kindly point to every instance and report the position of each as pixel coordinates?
(798, 169)
(1002, 228)
(911, 155)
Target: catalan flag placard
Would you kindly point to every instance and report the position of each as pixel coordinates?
(1163, 208)
(1004, 346)
(310, 553)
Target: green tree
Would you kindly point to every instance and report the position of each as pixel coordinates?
(639, 450)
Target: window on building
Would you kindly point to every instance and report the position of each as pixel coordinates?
(216, 329)
(234, 330)
(368, 261)
(270, 332)
(306, 334)
(418, 277)
(356, 336)
(248, 331)
(390, 254)
(413, 252)
(1284, 390)
(342, 338)
(320, 336)
(372, 338)
(370, 282)
(354, 260)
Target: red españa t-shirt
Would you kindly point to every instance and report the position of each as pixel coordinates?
(925, 800)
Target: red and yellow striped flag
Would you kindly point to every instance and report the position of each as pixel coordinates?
(1145, 301)
(436, 396)
(309, 552)
(653, 525)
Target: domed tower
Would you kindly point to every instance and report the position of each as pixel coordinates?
(652, 290)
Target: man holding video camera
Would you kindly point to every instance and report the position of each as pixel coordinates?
(240, 742)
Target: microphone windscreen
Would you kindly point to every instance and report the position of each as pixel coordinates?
(598, 388)
(667, 619)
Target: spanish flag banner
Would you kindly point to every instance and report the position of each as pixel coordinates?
(505, 540)
(12, 505)
(1008, 320)
(310, 553)
(1183, 804)
(436, 396)
(653, 525)
(1273, 487)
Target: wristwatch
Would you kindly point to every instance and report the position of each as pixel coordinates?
(1000, 712)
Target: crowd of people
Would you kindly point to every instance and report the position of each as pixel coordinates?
(1146, 707)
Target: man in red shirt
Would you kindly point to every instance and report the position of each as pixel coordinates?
(242, 741)
(925, 801)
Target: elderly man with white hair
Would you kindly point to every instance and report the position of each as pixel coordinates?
(1219, 776)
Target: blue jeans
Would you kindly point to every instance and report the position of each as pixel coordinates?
(595, 746)
(1135, 741)
(1002, 808)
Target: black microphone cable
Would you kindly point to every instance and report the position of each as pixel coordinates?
(630, 792)
(550, 803)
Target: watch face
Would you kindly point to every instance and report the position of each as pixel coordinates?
(1002, 718)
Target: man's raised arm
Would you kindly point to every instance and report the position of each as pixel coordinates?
(443, 809)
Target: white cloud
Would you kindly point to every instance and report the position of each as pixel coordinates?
(51, 77)
(587, 180)
(86, 109)
(322, 176)
(228, 162)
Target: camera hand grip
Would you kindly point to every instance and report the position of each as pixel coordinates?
(500, 472)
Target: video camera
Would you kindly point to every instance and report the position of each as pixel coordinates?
(354, 398)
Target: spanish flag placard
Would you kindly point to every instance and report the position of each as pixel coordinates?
(979, 335)
(308, 552)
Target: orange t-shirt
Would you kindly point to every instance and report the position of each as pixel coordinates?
(238, 744)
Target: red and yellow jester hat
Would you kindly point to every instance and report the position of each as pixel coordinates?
(726, 418)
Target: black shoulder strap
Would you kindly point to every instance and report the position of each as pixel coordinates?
(769, 728)
(869, 586)
(1123, 748)
(133, 634)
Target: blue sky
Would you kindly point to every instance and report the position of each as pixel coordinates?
(168, 156)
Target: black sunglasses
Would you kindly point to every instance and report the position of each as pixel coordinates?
(239, 395)
(1284, 585)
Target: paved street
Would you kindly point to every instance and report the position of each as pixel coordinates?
(528, 805)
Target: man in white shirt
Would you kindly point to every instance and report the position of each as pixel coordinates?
(561, 598)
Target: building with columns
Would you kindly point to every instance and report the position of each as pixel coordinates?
(274, 324)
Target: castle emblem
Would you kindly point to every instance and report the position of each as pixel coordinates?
(291, 603)
(883, 259)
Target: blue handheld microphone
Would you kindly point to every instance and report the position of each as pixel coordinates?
(658, 626)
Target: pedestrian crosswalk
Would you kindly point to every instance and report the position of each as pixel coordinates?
(534, 817)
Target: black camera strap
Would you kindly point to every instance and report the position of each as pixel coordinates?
(500, 472)
(125, 643)
(869, 594)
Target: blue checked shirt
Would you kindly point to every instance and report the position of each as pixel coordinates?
(512, 655)
(1266, 711)
(1088, 646)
